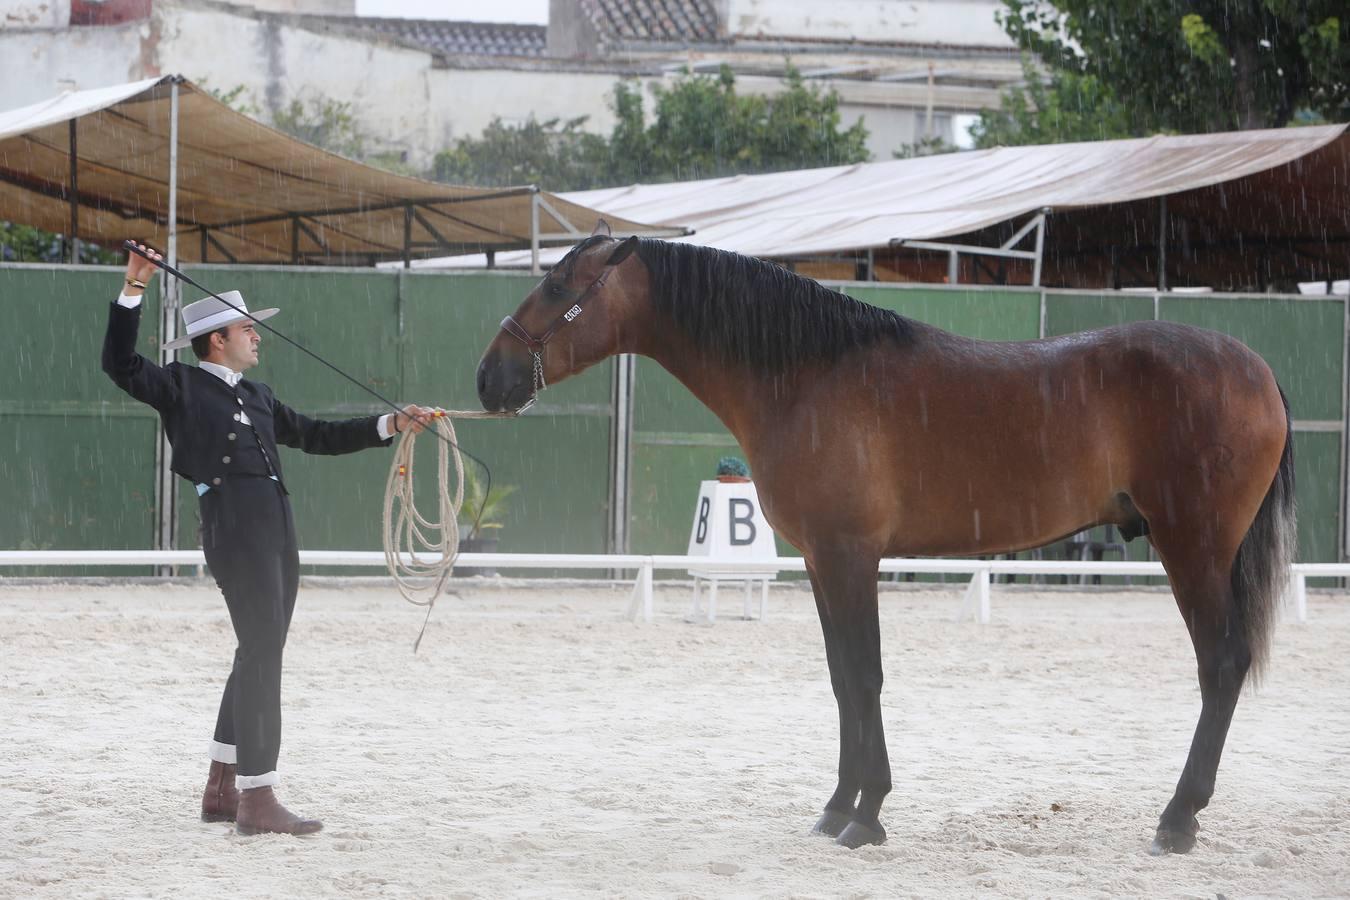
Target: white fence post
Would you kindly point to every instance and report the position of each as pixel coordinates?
(975, 603)
(641, 602)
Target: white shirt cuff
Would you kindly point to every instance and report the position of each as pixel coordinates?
(385, 427)
(129, 302)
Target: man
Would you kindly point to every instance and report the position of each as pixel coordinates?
(224, 431)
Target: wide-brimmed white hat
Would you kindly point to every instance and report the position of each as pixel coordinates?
(205, 316)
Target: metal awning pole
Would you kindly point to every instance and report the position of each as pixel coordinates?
(534, 232)
(74, 242)
(407, 236)
(621, 451)
(1040, 249)
(953, 267)
(1162, 243)
(167, 487)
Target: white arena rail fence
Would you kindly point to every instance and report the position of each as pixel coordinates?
(975, 603)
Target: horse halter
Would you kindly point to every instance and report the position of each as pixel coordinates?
(536, 345)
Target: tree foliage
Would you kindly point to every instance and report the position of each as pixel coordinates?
(24, 243)
(550, 152)
(1188, 66)
(1060, 108)
(325, 123)
(700, 128)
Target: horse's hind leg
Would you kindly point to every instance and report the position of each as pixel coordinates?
(848, 584)
(839, 810)
(1204, 594)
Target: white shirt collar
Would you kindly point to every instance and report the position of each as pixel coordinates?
(224, 373)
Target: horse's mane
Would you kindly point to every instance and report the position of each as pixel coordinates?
(747, 310)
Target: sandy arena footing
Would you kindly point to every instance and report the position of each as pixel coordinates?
(540, 745)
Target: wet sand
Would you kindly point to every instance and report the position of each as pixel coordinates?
(540, 745)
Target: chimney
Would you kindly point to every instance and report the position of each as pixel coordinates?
(571, 33)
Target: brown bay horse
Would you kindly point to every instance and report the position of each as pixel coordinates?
(871, 435)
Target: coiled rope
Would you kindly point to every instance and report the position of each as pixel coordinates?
(420, 551)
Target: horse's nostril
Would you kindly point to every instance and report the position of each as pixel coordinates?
(482, 380)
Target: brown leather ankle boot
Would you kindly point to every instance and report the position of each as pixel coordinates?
(260, 812)
(220, 800)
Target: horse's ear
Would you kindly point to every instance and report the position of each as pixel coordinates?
(622, 251)
(601, 228)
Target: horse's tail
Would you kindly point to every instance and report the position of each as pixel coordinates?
(1261, 569)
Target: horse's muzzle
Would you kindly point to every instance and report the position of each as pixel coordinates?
(503, 383)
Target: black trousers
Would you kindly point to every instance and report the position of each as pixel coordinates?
(248, 535)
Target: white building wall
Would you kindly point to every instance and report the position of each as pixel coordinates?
(276, 63)
(464, 101)
(308, 7)
(37, 65)
(968, 23)
(400, 100)
(17, 14)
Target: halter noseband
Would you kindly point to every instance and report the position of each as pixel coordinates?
(536, 345)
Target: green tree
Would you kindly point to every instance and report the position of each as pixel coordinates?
(928, 146)
(1062, 107)
(325, 123)
(704, 129)
(24, 243)
(701, 128)
(550, 152)
(1193, 65)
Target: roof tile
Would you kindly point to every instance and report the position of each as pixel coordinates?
(458, 38)
(673, 21)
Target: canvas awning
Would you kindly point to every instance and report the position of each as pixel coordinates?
(1266, 188)
(246, 192)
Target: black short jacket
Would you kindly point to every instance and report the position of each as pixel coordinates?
(201, 413)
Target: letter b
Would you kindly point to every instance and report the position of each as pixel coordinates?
(746, 519)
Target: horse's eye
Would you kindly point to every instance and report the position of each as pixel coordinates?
(554, 289)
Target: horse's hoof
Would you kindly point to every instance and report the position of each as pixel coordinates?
(832, 822)
(856, 835)
(1168, 841)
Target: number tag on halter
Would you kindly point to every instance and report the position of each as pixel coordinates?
(572, 313)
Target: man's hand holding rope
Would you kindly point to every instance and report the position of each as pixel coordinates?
(414, 417)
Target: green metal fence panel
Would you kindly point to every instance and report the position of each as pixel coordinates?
(1317, 462)
(556, 456)
(1070, 313)
(78, 471)
(1303, 341)
(987, 314)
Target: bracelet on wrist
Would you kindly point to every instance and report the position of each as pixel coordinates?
(132, 282)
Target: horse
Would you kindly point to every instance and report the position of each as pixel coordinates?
(873, 435)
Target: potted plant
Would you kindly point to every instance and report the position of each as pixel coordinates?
(732, 469)
(481, 518)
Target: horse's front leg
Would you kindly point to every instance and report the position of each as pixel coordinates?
(842, 804)
(848, 583)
